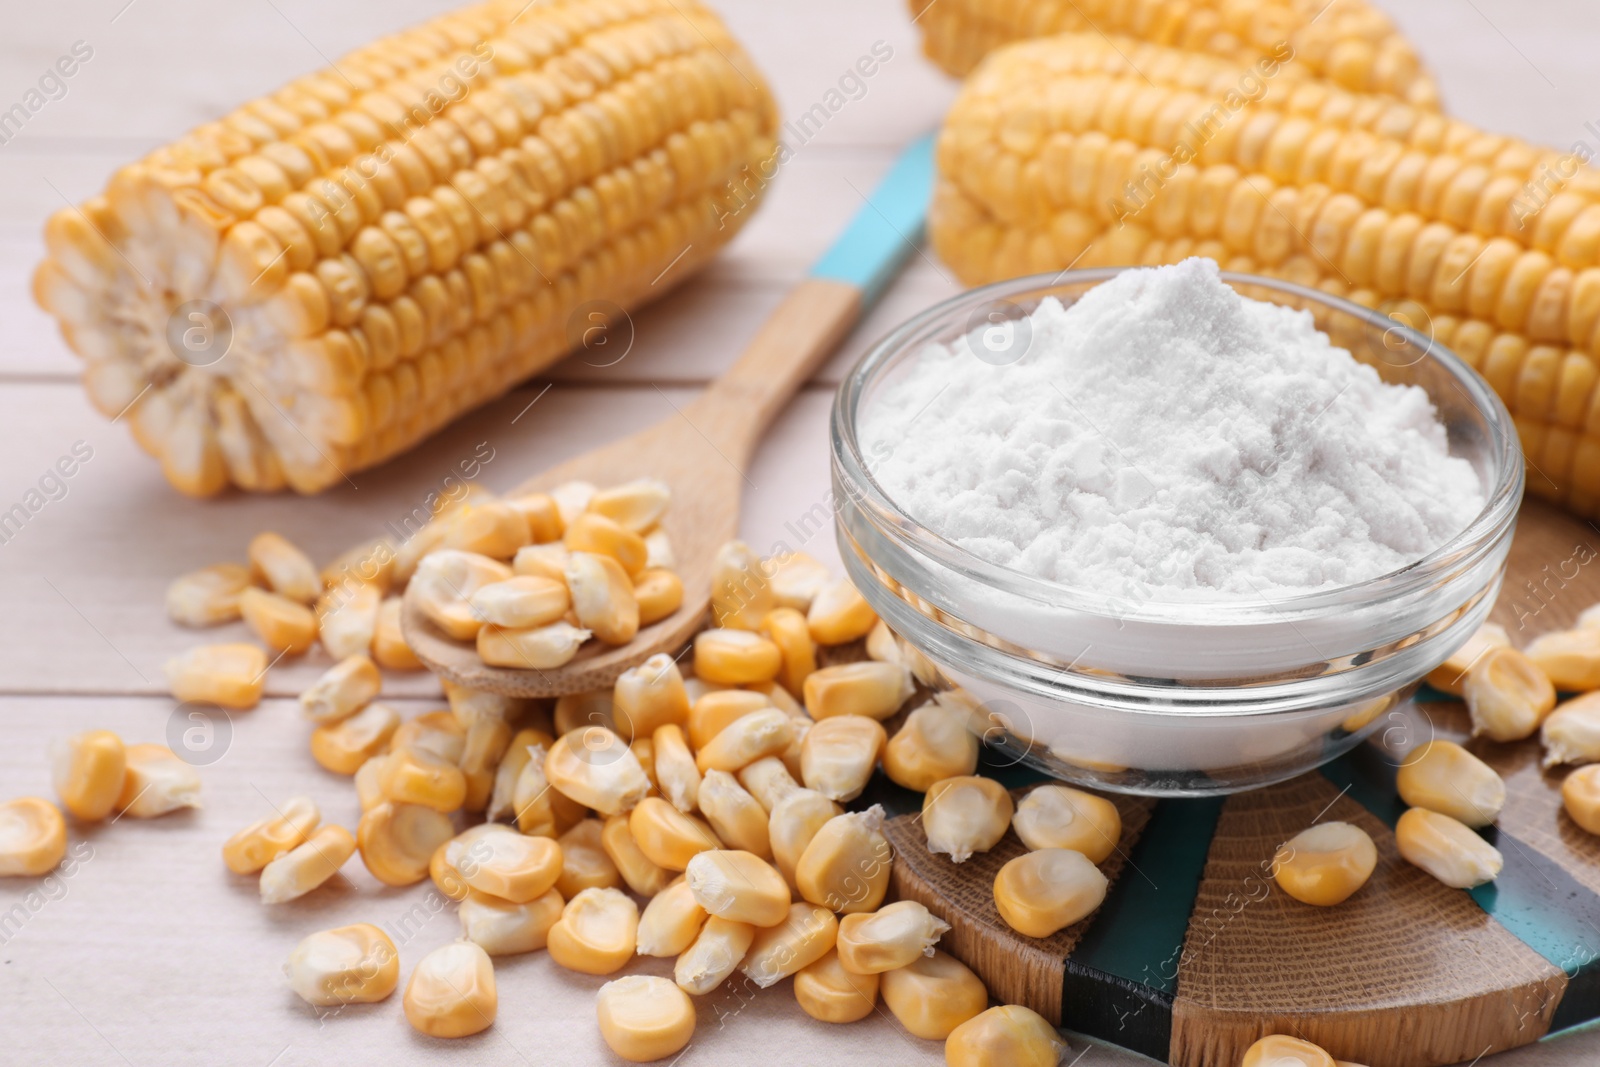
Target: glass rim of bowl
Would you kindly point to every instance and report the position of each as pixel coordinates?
(1502, 499)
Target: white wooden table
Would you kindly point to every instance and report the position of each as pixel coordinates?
(151, 953)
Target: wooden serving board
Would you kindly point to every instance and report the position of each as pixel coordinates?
(1196, 953)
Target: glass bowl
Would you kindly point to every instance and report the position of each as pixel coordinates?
(1135, 694)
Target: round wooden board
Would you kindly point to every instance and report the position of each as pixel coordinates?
(1196, 954)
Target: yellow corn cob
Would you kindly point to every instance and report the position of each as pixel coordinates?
(1350, 44)
(323, 277)
(1076, 150)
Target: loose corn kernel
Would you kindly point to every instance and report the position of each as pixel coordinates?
(575, 711)
(750, 737)
(285, 569)
(389, 648)
(677, 774)
(933, 744)
(804, 937)
(602, 597)
(659, 593)
(451, 992)
(875, 690)
(768, 780)
(356, 964)
(1276, 1050)
(542, 516)
(502, 798)
(283, 625)
(502, 928)
(1008, 1034)
(740, 594)
(1047, 890)
(542, 561)
(347, 619)
(735, 657)
(1572, 732)
(787, 629)
(521, 602)
(368, 563)
(344, 689)
(1569, 658)
(1057, 816)
(87, 769)
(597, 932)
(671, 921)
(965, 815)
(648, 697)
(830, 994)
(644, 749)
(470, 706)
(596, 768)
(481, 757)
(644, 1018)
(883, 645)
(1507, 695)
(717, 710)
(541, 649)
(893, 936)
(932, 995)
(737, 817)
(658, 551)
(1444, 777)
(668, 837)
(443, 586)
(1451, 675)
(839, 754)
(637, 505)
(584, 863)
(513, 867)
(369, 781)
(791, 756)
(1580, 797)
(797, 578)
(208, 596)
(229, 676)
(715, 955)
(845, 867)
(263, 841)
(699, 687)
(738, 885)
(306, 866)
(417, 776)
(1325, 864)
(839, 614)
(155, 781)
(532, 799)
(467, 848)
(397, 841)
(779, 697)
(33, 837)
(492, 528)
(437, 732)
(1446, 849)
(640, 875)
(595, 534)
(795, 820)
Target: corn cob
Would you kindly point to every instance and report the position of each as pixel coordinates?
(1348, 43)
(1080, 151)
(323, 277)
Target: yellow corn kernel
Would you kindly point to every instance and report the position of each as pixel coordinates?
(794, 821)
(283, 625)
(368, 563)
(443, 586)
(480, 759)
(493, 528)
(830, 994)
(1008, 1034)
(438, 732)
(1451, 675)
(737, 817)
(787, 628)
(671, 921)
(595, 534)
(779, 697)
(513, 867)
(347, 619)
(658, 551)
(521, 602)
(966, 815)
(644, 1018)
(577, 711)
(875, 690)
(1572, 732)
(542, 561)
(932, 995)
(637, 871)
(584, 863)
(155, 781)
(597, 932)
(87, 769)
(389, 648)
(412, 551)
(667, 837)
(1507, 695)
(805, 936)
(839, 614)
(1276, 1050)
(541, 649)
(768, 780)
(369, 781)
(790, 756)
(1446, 849)
(718, 709)
(1058, 816)
(933, 744)
(597, 769)
(740, 594)
(796, 579)
(344, 689)
(648, 697)
(636, 505)
(676, 773)
(502, 928)
(1325, 864)
(451, 991)
(1569, 658)
(229, 676)
(33, 837)
(417, 776)
(659, 593)
(465, 849)
(1047, 890)
(532, 802)
(1444, 777)
(845, 866)
(263, 841)
(739, 886)
(748, 738)
(208, 596)
(356, 964)
(735, 657)
(501, 798)
(1580, 797)
(285, 569)
(715, 954)
(471, 706)
(306, 866)
(397, 841)
(893, 936)
(541, 515)
(839, 754)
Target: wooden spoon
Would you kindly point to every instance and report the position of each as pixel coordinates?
(703, 449)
